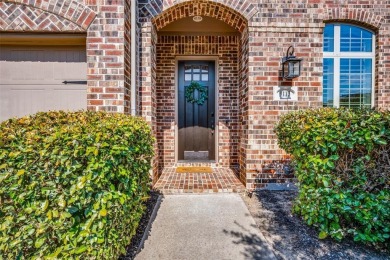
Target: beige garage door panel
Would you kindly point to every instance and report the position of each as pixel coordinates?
(28, 99)
(31, 79)
(53, 73)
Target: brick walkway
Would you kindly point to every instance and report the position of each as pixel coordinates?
(221, 180)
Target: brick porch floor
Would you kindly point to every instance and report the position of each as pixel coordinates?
(221, 180)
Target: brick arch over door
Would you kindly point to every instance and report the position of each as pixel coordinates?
(71, 10)
(230, 11)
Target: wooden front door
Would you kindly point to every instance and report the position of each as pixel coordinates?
(196, 122)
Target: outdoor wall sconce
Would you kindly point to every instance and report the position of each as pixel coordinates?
(291, 65)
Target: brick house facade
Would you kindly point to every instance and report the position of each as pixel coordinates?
(247, 58)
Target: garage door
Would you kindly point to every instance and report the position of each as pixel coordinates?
(32, 79)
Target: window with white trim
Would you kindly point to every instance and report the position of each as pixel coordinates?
(348, 66)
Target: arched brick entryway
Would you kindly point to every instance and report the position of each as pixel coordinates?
(154, 8)
(159, 53)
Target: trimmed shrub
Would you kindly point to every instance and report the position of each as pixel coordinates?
(342, 161)
(72, 184)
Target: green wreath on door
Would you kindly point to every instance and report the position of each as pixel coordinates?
(190, 93)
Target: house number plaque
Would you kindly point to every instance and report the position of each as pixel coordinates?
(285, 93)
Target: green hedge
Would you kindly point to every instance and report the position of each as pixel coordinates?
(342, 160)
(72, 184)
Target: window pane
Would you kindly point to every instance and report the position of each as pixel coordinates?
(196, 69)
(187, 69)
(329, 38)
(187, 77)
(205, 77)
(196, 77)
(328, 79)
(355, 39)
(355, 82)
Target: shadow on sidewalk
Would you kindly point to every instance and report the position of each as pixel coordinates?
(256, 247)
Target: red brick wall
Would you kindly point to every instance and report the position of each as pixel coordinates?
(243, 100)
(22, 18)
(147, 84)
(108, 43)
(230, 11)
(45, 16)
(266, 48)
(272, 31)
(275, 27)
(268, 28)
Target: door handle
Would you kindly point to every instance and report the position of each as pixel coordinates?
(80, 82)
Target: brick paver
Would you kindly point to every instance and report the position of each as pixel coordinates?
(221, 180)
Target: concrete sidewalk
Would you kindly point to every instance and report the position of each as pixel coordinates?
(206, 226)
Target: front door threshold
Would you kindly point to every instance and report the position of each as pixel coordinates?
(196, 156)
(202, 163)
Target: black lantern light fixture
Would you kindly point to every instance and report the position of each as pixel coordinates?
(291, 65)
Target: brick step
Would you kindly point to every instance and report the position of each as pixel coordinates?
(222, 180)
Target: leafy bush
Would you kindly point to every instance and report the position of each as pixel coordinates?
(72, 184)
(342, 160)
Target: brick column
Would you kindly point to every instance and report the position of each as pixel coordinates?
(108, 56)
(147, 88)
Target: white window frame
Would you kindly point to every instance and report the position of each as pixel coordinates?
(336, 55)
